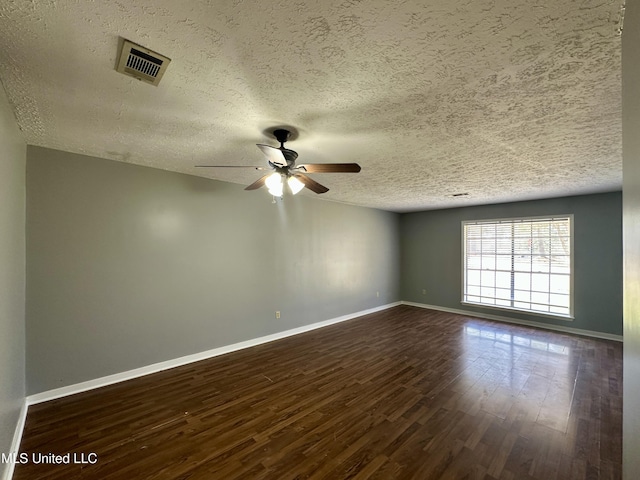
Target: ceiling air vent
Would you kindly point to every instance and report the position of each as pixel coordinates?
(142, 63)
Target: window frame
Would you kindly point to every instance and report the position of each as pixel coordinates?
(512, 220)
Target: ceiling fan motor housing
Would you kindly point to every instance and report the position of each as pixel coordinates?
(289, 155)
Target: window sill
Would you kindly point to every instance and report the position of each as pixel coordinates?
(558, 316)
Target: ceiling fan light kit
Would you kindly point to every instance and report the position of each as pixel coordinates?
(282, 162)
(274, 184)
(295, 185)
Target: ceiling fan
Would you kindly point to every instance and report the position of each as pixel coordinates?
(282, 163)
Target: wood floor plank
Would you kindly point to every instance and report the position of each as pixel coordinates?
(399, 394)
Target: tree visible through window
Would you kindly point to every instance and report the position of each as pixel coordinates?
(519, 263)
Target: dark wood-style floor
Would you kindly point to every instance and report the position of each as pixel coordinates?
(404, 393)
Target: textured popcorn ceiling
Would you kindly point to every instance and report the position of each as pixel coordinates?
(504, 100)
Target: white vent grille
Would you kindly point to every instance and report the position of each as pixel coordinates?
(142, 63)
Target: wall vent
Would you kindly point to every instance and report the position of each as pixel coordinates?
(141, 63)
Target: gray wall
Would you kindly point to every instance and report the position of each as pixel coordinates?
(631, 212)
(12, 274)
(128, 266)
(431, 249)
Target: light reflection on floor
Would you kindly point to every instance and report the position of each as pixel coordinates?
(515, 375)
(490, 333)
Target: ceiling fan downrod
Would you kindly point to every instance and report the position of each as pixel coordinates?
(281, 135)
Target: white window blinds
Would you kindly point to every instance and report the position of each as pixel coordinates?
(519, 263)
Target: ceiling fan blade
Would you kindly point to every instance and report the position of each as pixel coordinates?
(311, 184)
(230, 166)
(258, 183)
(273, 154)
(330, 167)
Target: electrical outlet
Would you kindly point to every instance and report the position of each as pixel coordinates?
(278, 314)
(424, 292)
(377, 294)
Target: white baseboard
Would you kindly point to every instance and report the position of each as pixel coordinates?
(157, 367)
(528, 323)
(15, 443)
(176, 362)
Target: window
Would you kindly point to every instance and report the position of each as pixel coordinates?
(519, 264)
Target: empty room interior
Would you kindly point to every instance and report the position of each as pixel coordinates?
(341, 239)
